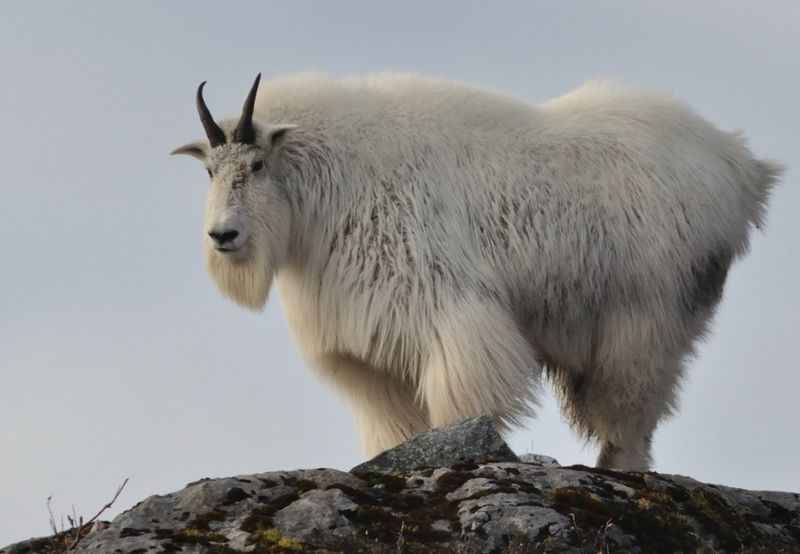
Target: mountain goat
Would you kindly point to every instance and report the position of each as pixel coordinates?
(438, 249)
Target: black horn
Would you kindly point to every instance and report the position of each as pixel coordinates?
(215, 135)
(244, 132)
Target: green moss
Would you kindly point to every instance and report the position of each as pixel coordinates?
(290, 544)
(271, 540)
(270, 535)
(660, 526)
(193, 535)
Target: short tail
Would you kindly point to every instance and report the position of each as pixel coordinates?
(767, 175)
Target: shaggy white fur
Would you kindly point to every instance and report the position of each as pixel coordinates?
(436, 247)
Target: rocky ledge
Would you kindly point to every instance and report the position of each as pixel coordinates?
(456, 490)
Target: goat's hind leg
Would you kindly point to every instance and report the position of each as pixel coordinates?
(620, 401)
(639, 364)
(627, 403)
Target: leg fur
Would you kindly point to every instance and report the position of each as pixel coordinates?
(620, 401)
(384, 407)
(479, 364)
(620, 410)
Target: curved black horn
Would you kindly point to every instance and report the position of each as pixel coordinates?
(214, 133)
(244, 132)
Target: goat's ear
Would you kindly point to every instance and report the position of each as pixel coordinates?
(195, 149)
(276, 134)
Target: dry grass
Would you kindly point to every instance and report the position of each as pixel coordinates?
(65, 538)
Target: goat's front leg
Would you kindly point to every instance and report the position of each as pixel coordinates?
(384, 407)
(479, 364)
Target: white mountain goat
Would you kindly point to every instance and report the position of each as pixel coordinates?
(438, 247)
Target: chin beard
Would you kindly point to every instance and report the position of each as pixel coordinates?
(247, 282)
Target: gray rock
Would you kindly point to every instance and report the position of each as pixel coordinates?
(539, 460)
(466, 508)
(473, 440)
(473, 487)
(317, 514)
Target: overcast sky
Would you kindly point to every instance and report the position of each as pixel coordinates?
(118, 358)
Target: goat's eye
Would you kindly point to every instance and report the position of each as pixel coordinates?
(211, 175)
(257, 166)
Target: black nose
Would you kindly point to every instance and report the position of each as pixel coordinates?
(223, 237)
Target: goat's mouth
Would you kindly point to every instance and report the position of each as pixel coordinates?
(235, 253)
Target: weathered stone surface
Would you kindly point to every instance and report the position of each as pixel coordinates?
(317, 515)
(472, 440)
(468, 507)
(540, 460)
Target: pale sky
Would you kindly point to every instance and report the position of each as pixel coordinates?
(118, 358)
